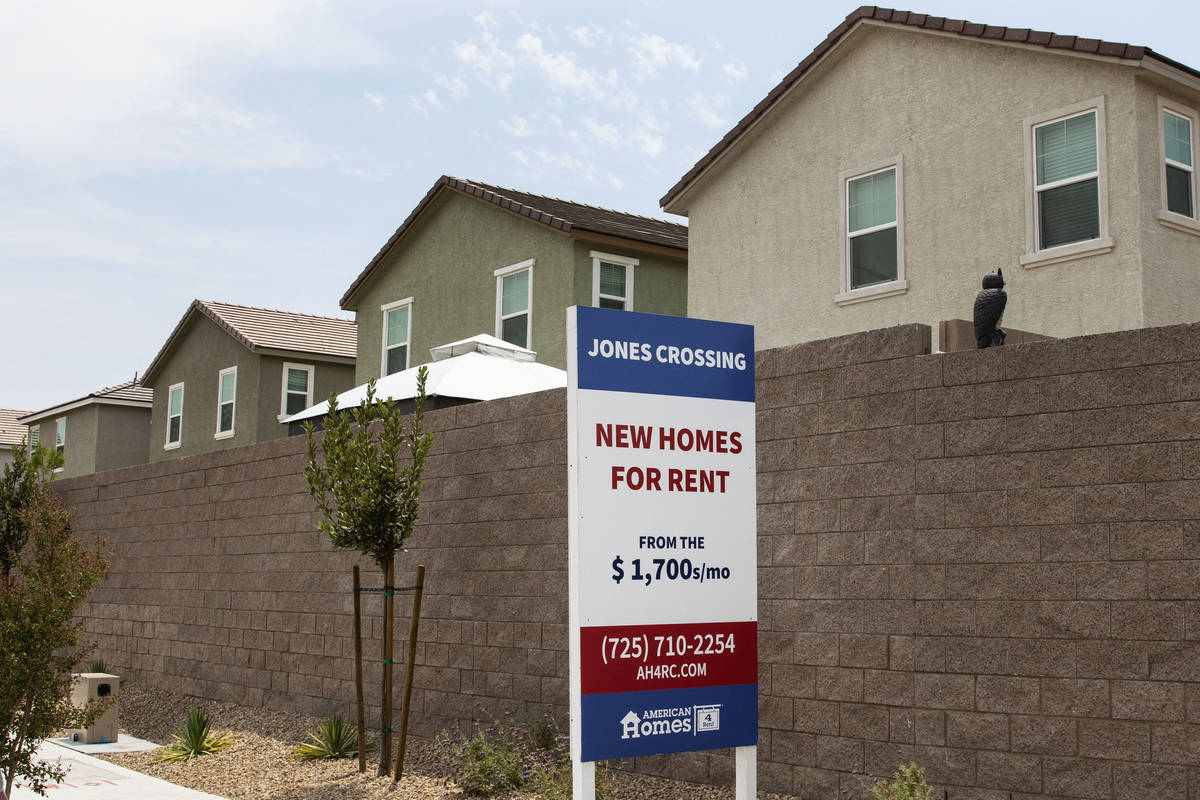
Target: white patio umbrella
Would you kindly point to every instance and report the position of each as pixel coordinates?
(479, 368)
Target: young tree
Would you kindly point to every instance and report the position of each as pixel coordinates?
(49, 581)
(18, 484)
(367, 501)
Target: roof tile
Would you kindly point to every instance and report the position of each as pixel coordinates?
(11, 431)
(264, 328)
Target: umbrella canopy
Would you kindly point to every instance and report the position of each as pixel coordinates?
(480, 368)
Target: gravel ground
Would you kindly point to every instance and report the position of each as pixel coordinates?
(258, 766)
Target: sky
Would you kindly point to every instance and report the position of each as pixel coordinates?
(262, 152)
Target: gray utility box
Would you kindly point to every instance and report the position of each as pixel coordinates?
(90, 687)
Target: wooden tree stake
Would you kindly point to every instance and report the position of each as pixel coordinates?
(358, 681)
(408, 675)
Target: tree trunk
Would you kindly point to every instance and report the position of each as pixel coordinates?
(385, 745)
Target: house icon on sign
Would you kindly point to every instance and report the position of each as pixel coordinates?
(629, 724)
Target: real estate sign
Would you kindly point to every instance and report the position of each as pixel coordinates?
(663, 582)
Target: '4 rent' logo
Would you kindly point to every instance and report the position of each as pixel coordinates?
(659, 721)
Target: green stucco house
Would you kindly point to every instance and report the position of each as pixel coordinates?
(228, 374)
(106, 429)
(473, 258)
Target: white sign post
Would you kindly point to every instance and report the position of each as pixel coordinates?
(662, 540)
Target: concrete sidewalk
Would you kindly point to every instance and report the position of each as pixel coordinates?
(90, 778)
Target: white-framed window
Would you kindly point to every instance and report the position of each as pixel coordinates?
(174, 416)
(397, 332)
(60, 438)
(514, 303)
(1066, 184)
(297, 391)
(226, 402)
(1179, 140)
(35, 436)
(872, 215)
(612, 281)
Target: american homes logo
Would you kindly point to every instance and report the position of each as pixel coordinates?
(659, 721)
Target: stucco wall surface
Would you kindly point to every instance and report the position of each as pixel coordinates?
(767, 231)
(122, 436)
(984, 561)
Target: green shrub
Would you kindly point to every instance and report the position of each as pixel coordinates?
(195, 738)
(907, 783)
(501, 758)
(97, 666)
(333, 738)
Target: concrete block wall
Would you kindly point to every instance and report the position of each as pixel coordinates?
(221, 586)
(986, 561)
(983, 561)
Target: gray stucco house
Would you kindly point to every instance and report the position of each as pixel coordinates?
(908, 155)
(106, 429)
(473, 258)
(228, 374)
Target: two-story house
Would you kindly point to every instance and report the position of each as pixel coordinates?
(908, 155)
(473, 258)
(228, 374)
(106, 429)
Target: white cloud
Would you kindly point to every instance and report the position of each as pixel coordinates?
(374, 99)
(456, 87)
(647, 143)
(615, 182)
(589, 35)
(520, 156)
(568, 165)
(144, 88)
(652, 53)
(607, 134)
(517, 126)
(734, 72)
(561, 70)
(491, 63)
(704, 110)
(423, 103)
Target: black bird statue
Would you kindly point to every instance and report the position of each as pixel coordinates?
(989, 308)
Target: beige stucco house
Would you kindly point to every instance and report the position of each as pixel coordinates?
(908, 155)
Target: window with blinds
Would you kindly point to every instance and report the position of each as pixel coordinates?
(612, 281)
(1067, 176)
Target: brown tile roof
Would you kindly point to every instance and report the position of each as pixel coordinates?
(560, 215)
(265, 329)
(1051, 41)
(127, 393)
(11, 431)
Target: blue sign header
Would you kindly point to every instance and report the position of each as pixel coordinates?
(626, 351)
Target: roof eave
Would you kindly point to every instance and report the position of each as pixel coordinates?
(63, 408)
(675, 201)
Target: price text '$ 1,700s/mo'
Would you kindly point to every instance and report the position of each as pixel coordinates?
(671, 569)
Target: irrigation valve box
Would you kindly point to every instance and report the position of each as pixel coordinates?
(95, 687)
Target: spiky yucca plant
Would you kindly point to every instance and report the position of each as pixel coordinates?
(333, 738)
(195, 738)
